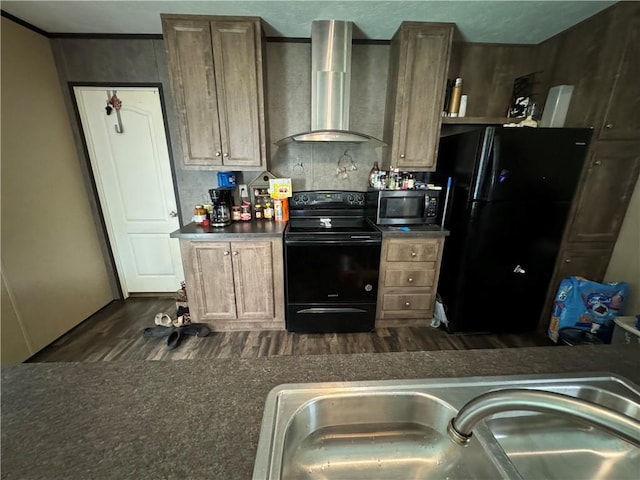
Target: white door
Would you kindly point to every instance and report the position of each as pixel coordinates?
(134, 183)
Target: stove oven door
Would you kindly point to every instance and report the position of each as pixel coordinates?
(331, 286)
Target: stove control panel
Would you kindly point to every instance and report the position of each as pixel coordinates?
(328, 199)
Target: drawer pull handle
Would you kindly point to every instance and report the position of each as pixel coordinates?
(413, 254)
(609, 125)
(568, 260)
(410, 280)
(407, 304)
(226, 252)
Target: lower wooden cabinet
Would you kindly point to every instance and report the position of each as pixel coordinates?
(409, 269)
(236, 285)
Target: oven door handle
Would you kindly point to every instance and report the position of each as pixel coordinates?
(331, 310)
(314, 242)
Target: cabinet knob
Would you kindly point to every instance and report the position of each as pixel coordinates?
(226, 252)
(226, 154)
(402, 155)
(413, 254)
(217, 154)
(407, 304)
(597, 162)
(235, 253)
(609, 125)
(567, 260)
(410, 280)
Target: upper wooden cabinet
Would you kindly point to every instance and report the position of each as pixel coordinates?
(418, 65)
(216, 72)
(622, 117)
(607, 185)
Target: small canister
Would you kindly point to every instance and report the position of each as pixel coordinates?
(236, 214)
(257, 211)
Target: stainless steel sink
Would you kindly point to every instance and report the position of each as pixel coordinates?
(397, 429)
(549, 446)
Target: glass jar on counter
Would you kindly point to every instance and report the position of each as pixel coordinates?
(257, 212)
(245, 214)
(236, 214)
(267, 212)
(199, 214)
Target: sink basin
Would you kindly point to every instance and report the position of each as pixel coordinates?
(377, 435)
(397, 429)
(549, 446)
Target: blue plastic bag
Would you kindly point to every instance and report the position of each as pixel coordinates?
(590, 306)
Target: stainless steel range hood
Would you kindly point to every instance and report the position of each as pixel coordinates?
(330, 86)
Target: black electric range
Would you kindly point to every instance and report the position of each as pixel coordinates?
(332, 258)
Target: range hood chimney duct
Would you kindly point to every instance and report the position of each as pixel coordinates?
(330, 86)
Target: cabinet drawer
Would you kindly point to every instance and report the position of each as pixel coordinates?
(407, 302)
(409, 274)
(412, 251)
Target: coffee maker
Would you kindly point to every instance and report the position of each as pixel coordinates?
(221, 201)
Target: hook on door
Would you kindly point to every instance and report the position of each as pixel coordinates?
(114, 103)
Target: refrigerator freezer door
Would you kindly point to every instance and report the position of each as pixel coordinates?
(497, 276)
(532, 163)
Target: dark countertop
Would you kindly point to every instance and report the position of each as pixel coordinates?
(276, 229)
(429, 231)
(201, 419)
(254, 228)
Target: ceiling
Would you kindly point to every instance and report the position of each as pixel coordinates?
(511, 21)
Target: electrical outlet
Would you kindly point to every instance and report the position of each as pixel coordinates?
(244, 191)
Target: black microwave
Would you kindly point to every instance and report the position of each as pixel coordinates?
(407, 207)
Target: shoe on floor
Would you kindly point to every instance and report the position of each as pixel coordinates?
(174, 338)
(196, 330)
(164, 320)
(158, 331)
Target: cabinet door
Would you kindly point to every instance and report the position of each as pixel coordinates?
(424, 62)
(622, 118)
(238, 71)
(209, 277)
(608, 183)
(188, 44)
(590, 263)
(253, 279)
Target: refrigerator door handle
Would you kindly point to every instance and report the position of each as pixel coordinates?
(494, 166)
(486, 157)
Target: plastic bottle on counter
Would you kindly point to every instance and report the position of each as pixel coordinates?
(373, 174)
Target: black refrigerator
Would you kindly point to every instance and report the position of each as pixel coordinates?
(511, 190)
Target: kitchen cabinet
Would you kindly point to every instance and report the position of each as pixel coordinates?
(605, 189)
(407, 286)
(217, 81)
(235, 285)
(418, 65)
(608, 181)
(621, 118)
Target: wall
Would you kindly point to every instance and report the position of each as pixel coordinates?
(625, 260)
(119, 61)
(289, 97)
(53, 270)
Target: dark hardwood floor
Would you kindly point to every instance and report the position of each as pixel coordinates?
(115, 333)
